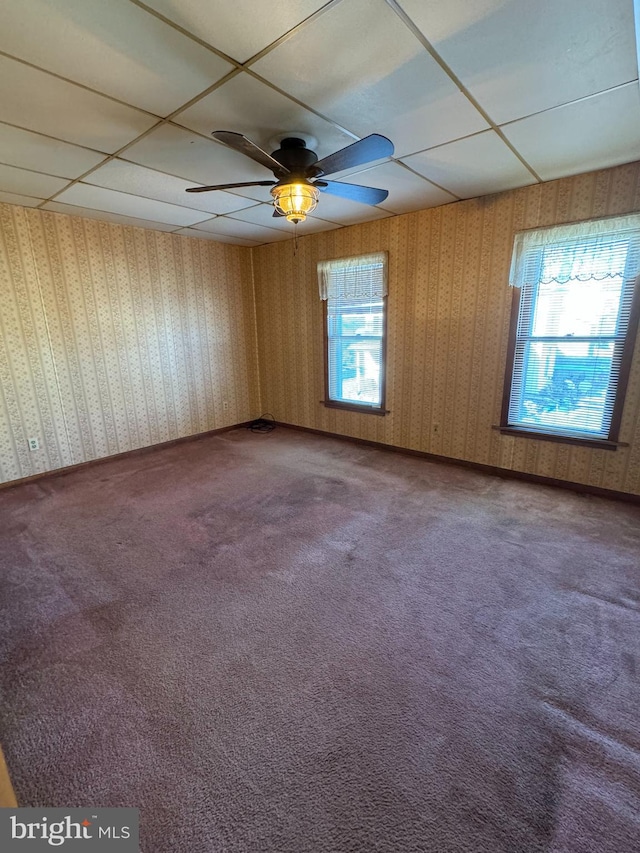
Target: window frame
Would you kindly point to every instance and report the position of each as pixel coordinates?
(611, 441)
(363, 408)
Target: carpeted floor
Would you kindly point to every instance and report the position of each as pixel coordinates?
(292, 643)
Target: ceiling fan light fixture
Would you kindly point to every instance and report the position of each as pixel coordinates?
(299, 175)
(295, 200)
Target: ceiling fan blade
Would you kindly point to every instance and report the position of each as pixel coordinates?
(373, 147)
(230, 186)
(354, 192)
(276, 213)
(245, 146)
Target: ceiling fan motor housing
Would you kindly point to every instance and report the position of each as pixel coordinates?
(294, 155)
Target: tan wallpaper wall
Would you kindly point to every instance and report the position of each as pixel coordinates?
(448, 326)
(113, 338)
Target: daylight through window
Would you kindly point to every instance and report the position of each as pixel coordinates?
(573, 330)
(354, 290)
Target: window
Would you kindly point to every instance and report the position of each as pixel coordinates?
(354, 291)
(576, 328)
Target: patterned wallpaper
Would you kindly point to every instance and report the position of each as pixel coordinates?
(114, 337)
(448, 323)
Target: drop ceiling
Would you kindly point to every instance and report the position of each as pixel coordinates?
(106, 109)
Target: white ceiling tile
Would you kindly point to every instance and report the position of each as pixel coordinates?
(474, 166)
(131, 178)
(407, 191)
(37, 101)
(178, 152)
(115, 47)
(594, 133)
(246, 105)
(104, 216)
(520, 57)
(43, 154)
(21, 181)
(227, 227)
(239, 28)
(539, 69)
(359, 65)
(263, 215)
(98, 198)
(216, 238)
(15, 198)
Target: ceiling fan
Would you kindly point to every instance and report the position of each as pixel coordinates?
(300, 175)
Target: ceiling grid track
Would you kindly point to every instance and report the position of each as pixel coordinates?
(456, 80)
(504, 130)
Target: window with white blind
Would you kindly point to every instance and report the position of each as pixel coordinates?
(576, 327)
(354, 291)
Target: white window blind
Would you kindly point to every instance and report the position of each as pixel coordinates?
(354, 290)
(577, 286)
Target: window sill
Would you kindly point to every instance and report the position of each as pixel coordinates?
(599, 443)
(355, 407)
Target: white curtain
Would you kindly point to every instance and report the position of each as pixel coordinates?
(595, 249)
(364, 277)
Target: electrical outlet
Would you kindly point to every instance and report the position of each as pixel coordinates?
(225, 405)
(34, 444)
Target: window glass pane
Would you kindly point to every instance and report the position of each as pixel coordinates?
(563, 386)
(355, 370)
(357, 324)
(580, 308)
(355, 349)
(355, 289)
(356, 320)
(573, 322)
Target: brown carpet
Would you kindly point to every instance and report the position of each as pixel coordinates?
(292, 643)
